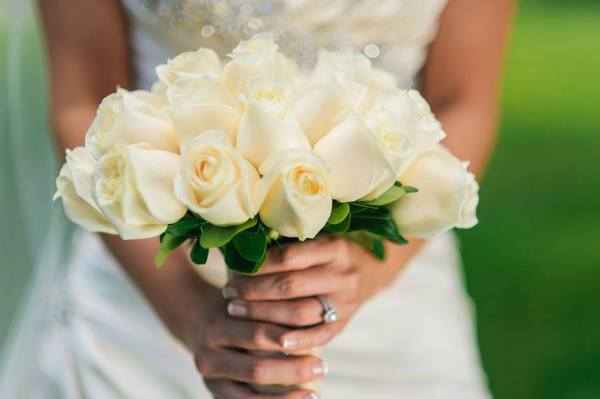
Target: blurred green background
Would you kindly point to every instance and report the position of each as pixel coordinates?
(532, 265)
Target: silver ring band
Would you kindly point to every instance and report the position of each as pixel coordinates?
(329, 312)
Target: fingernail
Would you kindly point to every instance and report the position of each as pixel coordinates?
(320, 368)
(290, 343)
(230, 292)
(311, 395)
(237, 309)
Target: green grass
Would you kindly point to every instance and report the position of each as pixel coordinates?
(533, 265)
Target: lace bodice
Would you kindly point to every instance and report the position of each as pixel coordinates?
(395, 34)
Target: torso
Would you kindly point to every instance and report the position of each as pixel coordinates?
(414, 340)
(395, 34)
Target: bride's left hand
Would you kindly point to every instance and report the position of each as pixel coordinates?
(284, 291)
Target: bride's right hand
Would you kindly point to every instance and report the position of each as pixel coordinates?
(216, 339)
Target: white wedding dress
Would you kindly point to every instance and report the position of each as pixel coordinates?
(415, 340)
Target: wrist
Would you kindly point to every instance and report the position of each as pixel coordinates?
(377, 275)
(193, 301)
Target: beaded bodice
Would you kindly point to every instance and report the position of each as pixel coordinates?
(395, 34)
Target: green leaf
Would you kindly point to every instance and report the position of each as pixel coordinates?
(160, 258)
(170, 242)
(410, 190)
(198, 255)
(217, 236)
(235, 261)
(339, 228)
(394, 193)
(384, 228)
(371, 212)
(252, 245)
(377, 221)
(378, 249)
(185, 226)
(339, 212)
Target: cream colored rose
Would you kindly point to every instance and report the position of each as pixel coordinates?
(202, 103)
(412, 112)
(394, 138)
(257, 56)
(297, 201)
(428, 121)
(159, 88)
(74, 186)
(202, 62)
(447, 196)
(317, 107)
(359, 166)
(133, 187)
(215, 181)
(354, 67)
(128, 118)
(266, 127)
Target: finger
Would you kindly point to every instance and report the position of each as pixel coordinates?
(296, 313)
(227, 389)
(261, 370)
(243, 334)
(293, 313)
(303, 255)
(314, 337)
(320, 280)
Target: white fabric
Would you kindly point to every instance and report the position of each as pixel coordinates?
(415, 340)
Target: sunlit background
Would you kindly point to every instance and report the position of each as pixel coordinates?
(533, 264)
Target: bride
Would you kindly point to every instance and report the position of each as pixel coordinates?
(405, 329)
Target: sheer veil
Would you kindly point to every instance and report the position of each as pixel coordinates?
(34, 235)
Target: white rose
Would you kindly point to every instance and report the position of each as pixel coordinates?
(133, 187)
(354, 67)
(74, 186)
(428, 120)
(318, 107)
(257, 56)
(297, 79)
(447, 196)
(159, 88)
(394, 138)
(266, 127)
(201, 62)
(297, 201)
(359, 166)
(216, 182)
(128, 118)
(272, 93)
(412, 112)
(202, 103)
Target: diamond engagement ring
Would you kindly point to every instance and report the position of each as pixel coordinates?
(329, 312)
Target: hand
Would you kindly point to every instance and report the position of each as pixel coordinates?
(215, 339)
(284, 290)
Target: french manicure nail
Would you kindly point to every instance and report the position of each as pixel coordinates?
(237, 309)
(230, 292)
(290, 343)
(320, 368)
(311, 395)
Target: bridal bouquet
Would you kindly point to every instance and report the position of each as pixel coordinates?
(255, 153)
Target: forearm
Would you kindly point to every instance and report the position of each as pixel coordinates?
(471, 132)
(174, 290)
